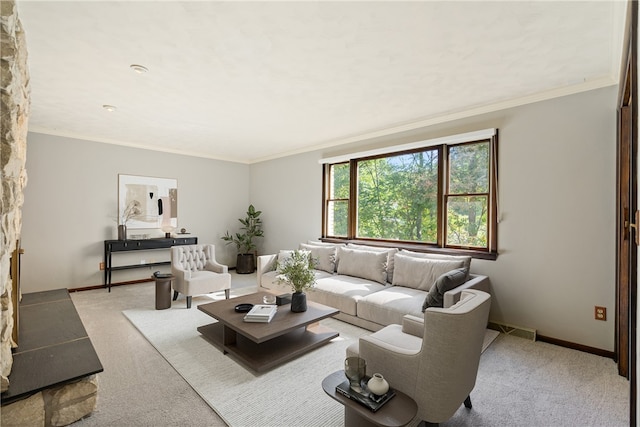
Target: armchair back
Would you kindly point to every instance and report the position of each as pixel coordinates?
(192, 257)
(451, 350)
(438, 370)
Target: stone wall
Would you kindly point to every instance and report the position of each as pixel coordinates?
(57, 406)
(14, 114)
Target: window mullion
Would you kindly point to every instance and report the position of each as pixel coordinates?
(326, 181)
(443, 173)
(352, 216)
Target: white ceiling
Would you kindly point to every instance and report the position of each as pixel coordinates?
(250, 81)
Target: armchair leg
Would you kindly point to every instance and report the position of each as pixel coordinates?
(226, 293)
(467, 402)
(189, 302)
(175, 295)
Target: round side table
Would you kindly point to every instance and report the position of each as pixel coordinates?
(163, 292)
(397, 412)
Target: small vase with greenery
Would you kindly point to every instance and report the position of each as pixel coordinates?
(297, 271)
(131, 211)
(244, 240)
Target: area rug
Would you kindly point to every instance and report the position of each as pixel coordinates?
(290, 394)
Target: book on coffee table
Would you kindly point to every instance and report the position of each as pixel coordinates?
(261, 313)
(365, 398)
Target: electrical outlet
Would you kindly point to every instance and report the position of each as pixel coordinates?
(102, 266)
(601, 313)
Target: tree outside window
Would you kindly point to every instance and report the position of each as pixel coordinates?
(438, 196)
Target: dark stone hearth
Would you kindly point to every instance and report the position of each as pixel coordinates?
(54, 347)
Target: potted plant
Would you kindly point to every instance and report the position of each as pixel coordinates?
(297, 271)
(244, 240)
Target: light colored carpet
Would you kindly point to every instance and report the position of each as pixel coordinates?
(240, 397)
(268, 398)
(520, 382)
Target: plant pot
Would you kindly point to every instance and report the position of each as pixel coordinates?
(122, 232)
(245, 264)
(298, 302)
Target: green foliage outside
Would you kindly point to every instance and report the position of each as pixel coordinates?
(338, 209)
(467, 214)
(397, 197)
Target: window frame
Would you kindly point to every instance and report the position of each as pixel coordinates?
(448, 194)
(327, 199)
(490, 252)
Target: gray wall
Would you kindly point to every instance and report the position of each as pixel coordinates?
(557, 200)
(71, 204)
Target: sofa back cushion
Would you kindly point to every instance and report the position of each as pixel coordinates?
(421, 273)
(327, 244)
(365, 264)
(390, 256)
(325, 256)
(283, 255)
(465, 258)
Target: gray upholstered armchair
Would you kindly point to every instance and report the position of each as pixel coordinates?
(197, 272)
(434, 361)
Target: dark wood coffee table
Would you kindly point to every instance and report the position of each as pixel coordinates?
(397, 412)
(261, 346)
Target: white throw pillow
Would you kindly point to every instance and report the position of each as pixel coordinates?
(327, 244)
(390, 256)
(421, 273)
(366, 264)
(325, 256)
(283, 255)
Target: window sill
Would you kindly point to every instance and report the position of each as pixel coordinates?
(416, 247)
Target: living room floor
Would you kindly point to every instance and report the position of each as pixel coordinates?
(139, 387)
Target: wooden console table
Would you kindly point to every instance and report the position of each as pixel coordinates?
(111, 246)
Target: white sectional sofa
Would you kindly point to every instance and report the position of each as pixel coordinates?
(374, 287)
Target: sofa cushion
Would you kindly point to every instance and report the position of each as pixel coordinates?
(444, 283)
(390, 256)
(389, 305)
(342, 292)
(325, 256)
(283, 255)
(326, 244)
(420, 273)
(365, 264)
(465, 258)
(268, 279)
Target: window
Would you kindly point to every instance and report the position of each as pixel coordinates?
(338, 200)
(438, 195)
(467, 198)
